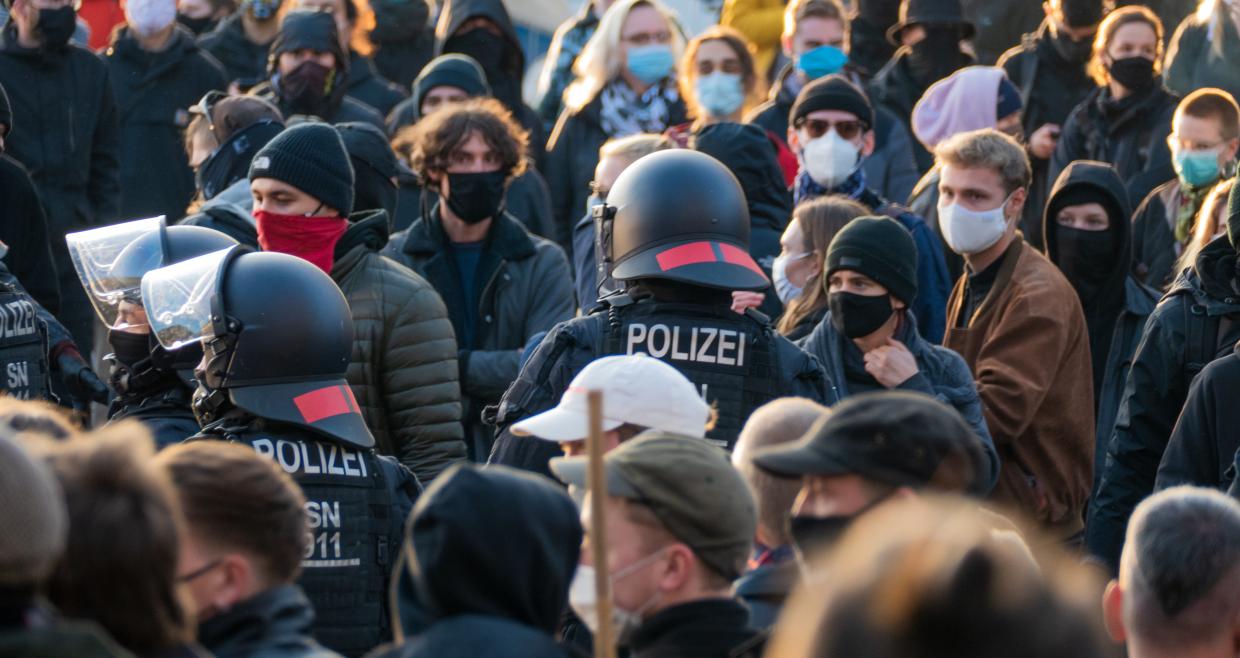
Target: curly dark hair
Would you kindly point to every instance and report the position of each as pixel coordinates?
(433, 139)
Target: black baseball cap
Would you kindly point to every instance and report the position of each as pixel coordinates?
(899, 438)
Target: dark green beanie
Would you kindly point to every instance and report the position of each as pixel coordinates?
(1233, 215)
(311, 157)
(880, 248)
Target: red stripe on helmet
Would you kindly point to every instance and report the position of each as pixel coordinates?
(686, 254)
(325, 403)
(737, 256)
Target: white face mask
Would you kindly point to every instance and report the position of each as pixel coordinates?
(971, 231)
(785, 289)
(150, 16)
(830, 159)
(583, 599)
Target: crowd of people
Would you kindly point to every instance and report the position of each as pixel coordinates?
(840, 328)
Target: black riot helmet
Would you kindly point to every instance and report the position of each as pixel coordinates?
(678, 215)
(276, 334)
(111, 262)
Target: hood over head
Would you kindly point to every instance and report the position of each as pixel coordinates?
(748, 152)
(501, 58)
(451, 70)
(513, 557)
(1086, 181)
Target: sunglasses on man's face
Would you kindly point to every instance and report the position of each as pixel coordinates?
(816, 128)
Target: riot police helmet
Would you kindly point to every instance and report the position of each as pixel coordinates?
(681, 216)
(276, 334)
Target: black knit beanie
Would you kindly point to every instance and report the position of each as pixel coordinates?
(880, 248)
(311, 157)
(453, 70)
(833, 92)
(374, 167)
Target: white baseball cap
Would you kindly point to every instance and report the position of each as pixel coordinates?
(637, 389)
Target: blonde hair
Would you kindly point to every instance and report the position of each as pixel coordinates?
(1106, 32)
(633, 147)
(989, 149)
(743, 49)
(600, 62)
(1205, 224)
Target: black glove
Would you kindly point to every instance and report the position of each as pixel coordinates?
(83, 384)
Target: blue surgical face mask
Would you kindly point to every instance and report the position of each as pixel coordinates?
(652, 63)
(1197, 168)
(821, 61)
(720, 94)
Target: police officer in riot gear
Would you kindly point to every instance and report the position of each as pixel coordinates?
(675, 232)
(276, 336)
(152, 384)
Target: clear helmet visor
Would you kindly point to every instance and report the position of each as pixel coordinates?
(178, 299)
(111, 271)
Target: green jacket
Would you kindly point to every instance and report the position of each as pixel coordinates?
(403, 368)
(1199, 56)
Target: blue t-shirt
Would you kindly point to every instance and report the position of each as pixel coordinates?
(466, 255)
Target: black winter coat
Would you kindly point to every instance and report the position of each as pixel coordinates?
(163, 408)
(709, 628)
(402, 61)
(153, 94)
(65, 132)
(367, 86)
(489, 580)
(1203, 446)
(572, 155)
(274, 624)
(1050, 87)
(244, 61)
(23, 229)
(1131, 135)
(1000, 25)
(895, 89)
(1184, 333)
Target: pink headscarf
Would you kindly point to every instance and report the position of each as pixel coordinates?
(966, 100)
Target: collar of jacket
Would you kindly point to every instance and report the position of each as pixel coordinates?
(361, 69)
(180, 45)
(367, 233)
(1002, 279)
(280, 616)
(672, 626)
(1139, 299)
(506, 239)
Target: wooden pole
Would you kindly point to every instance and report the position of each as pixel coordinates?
(596, 482)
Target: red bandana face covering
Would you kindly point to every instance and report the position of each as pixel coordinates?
(310, 238)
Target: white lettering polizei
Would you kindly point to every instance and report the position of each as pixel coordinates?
(724, 347)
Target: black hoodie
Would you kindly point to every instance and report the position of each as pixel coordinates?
(1099, 278)
(504, 66)
(489, 557)
(750, 155)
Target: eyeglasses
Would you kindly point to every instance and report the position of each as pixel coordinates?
(816, 128)
(200, 571)
(206, 106)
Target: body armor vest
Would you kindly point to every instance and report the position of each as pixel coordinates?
(23, 347)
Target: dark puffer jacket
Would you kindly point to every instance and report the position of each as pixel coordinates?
(1186, 330)
(485, 580)
(403, 369)
(524, 287)
(367, 86)
(153, 93)
(1204, 443)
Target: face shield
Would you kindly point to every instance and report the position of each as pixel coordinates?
(179, 298)
(110, 262)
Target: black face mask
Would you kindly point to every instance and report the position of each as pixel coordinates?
(812, 535)
(1071, 50)
(858, 315)
(57, 26)
(1135, 73)
(129, 348)
(307, 86)
(475, 197)
(1087, 259)
(196, 25)
(937, 56)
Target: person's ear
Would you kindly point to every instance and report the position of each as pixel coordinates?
(1113, 611)
(897, 303)
(237, 582)
(815, 265)
(867, 143)
(681, 563)
(794, 143)
(1016, 204)
(1230, 149)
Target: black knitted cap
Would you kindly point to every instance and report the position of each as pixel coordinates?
(833, 92)
(880, 248)
(311, 157)
(453, 70)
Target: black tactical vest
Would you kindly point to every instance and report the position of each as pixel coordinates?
(350, 549)
(23, 346)
(731, 358)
